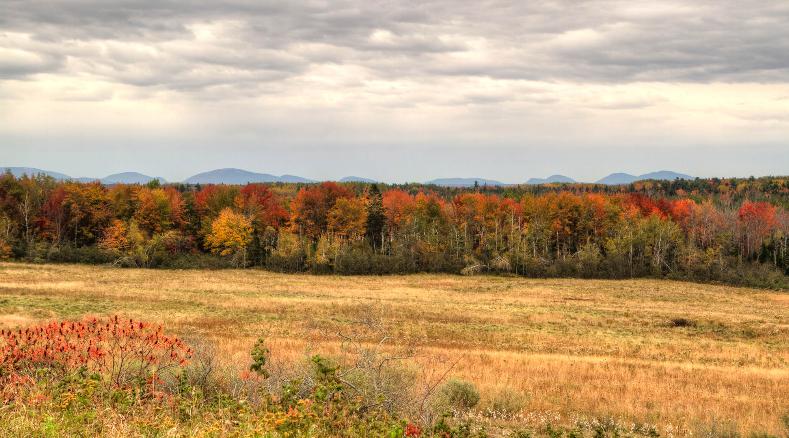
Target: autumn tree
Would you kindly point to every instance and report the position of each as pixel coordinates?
(123, 198)
(310, 208)
(265, 208)
(115, 237)
(158, 209)
(397, 206)
(231, 233)
(30, 197)
(347, 219)
(88, 212)
(757, 221)
(212, 199)
(53, 216)
(6, 236)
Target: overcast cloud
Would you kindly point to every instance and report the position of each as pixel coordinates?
(397, 91)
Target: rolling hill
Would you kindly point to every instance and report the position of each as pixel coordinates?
(464, 182)
(129, 178)
(626, 178)
(31, 171)
(551, 179)
(357, 179)
(240, 176)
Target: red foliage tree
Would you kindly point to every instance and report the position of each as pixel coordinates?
(52, 218)
(311, 207)
(260, 203)
(212, 199)
(757, 221)
(680, 211)
(646, 205)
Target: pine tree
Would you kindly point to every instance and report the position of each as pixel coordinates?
(375, 217)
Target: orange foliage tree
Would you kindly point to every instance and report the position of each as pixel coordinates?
(158, 209)
(115, 237)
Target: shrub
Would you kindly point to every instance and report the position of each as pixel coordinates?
(260, 355)
(506, 403)
(86, 254)
(460, 394)
(718, 429)
(123, 352)
(195, 261)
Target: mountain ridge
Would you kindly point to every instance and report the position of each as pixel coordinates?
(32, 171)
(130, 178)
(241, 176)
(464, 182)
(231, 175)
(357, 179)
(618, 178)
(551, 179)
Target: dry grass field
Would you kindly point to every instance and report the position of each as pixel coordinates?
(572, 349)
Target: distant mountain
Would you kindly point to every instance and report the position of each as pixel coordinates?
(240, 176)
(464, 182)
(229, 176)
(664, 175)
(358, 179)
(618, 178)
(626, 178)
(32, 171)
(294, 179)
(551, 179)
(129, 178)
(125, 177)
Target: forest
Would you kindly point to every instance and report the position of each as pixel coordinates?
(724, 230)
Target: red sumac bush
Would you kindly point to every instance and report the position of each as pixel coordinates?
(122, 351)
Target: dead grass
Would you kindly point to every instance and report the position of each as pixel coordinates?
(595, 348)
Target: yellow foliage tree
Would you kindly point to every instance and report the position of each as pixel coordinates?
(230, 234)
(348, 218)
(6, 228)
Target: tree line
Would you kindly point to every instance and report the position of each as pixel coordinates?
(731, 230)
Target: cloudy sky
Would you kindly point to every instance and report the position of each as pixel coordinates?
(397, 91)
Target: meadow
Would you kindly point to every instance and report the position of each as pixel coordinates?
(691, 359)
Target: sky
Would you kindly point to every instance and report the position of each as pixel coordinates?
(396, 90)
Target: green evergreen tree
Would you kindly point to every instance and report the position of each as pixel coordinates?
(375, 217)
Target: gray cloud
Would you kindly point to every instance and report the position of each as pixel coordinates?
(159, 43)
(333, 87)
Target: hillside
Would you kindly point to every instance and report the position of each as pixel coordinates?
(31, 171)
(130, 178)
(551, 179)
(626, 178)
(464, 182)
(358, 179)
(240, 176)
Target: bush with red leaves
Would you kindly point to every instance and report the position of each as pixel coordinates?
(123, 352)
(412, 430)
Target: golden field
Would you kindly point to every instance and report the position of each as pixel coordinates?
(571, 348)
